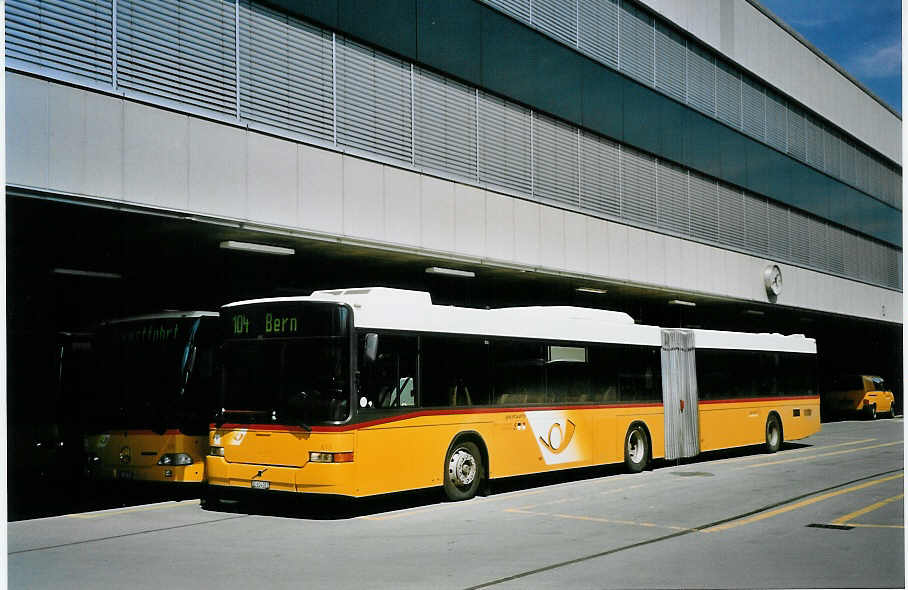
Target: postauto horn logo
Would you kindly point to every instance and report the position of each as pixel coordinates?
(125, 455)
(554, 434)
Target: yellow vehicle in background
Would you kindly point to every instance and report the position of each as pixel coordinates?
(866, 395)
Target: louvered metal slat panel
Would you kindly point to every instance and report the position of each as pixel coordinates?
(776, 121)
(850, 254)
(373, 101)
(815, 145)
(891, 257)
(67, 36)
(704, 207)
(876, 262)
(886, 184)
(756, 223)
(753, 108)
(599, 186)
(701, 79)
(833, 155)
(445, 117)
(797, 137)
(184, 51)
(636, 46)
(557, 18)
(835, 239)
(673, 208)
(671, 62)
(286, 72)
(555, 161)
(861, 169)
(732, 217)
(728, 94)
(516, 8)
(875, 182)
(799, 229)
(504, 144)
(638, 186)
(778, 239)
(848, 169)
(598, 30)
(819, 250)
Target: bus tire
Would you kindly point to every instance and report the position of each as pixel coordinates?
(636, 449)
(463, 471)
(892, 410)
(871, 412)
(773, 434)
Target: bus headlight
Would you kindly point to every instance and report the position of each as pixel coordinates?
(317, 457)
(216, 451)
(175, 459)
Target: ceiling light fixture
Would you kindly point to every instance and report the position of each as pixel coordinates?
(682, 303)
(450, 272)
(591, 290)
(257, 248)
(87, 273)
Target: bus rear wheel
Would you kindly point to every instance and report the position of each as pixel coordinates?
(463, 471)
(870, 412)
(773, 434)
(636, 449)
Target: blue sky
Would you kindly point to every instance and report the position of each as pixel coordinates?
(862, 36)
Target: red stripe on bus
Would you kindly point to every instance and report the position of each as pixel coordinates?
(114, 431)
(759, 399)
(421, 413)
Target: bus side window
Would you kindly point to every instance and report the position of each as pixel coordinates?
(454, 371)
(390, 380)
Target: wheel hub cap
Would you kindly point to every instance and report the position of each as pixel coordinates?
(462, 468)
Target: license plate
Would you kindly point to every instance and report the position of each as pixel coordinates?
(124, 474)
(260, 485)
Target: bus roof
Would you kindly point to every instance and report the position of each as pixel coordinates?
(383, 308)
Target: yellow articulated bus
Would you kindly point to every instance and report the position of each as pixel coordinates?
(156, 389)
(865, 395)
(367, 391)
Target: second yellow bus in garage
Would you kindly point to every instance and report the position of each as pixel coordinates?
(366, 391)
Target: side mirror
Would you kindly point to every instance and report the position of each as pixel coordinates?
(370, 347)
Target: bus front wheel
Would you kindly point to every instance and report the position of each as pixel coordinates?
(773, 434)
(463, 471)
(636, 449)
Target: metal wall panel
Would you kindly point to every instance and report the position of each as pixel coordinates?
(833, 152)
(756, 223)
(835, 239)
(673, 209)
(701, 79)
(732, 217)
(557, 18)
(72, 36)
(778, 240)
(671, 62)
(598, 30)
(816, 149)
(728, 94)
(373, 101)
(445, 124)
(753, 115)
(704, 207)
(638, 186)
(555, 161)
(184, 51)
(861, 169)
(286, 72)
(797, 134)
(504, 143)
(600, 192)
(679, 394)
(848, 165)
(799, 228)
(776, 121)
(636, 47)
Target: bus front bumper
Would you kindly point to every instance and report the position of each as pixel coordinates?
(311, 478)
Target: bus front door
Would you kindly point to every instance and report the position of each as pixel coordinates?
(679, 394)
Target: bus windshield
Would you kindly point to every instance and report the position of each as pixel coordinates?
(286, 363)
(142, 371)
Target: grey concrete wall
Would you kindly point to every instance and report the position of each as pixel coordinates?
(79, 142)
(740, 31)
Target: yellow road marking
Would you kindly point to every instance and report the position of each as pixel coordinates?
(408, 512)
(790, 507)
(136, 509)
(807, 449)
(598, 519)
(573, 498)
(793, 459)
(876, 526)
(866, 509)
